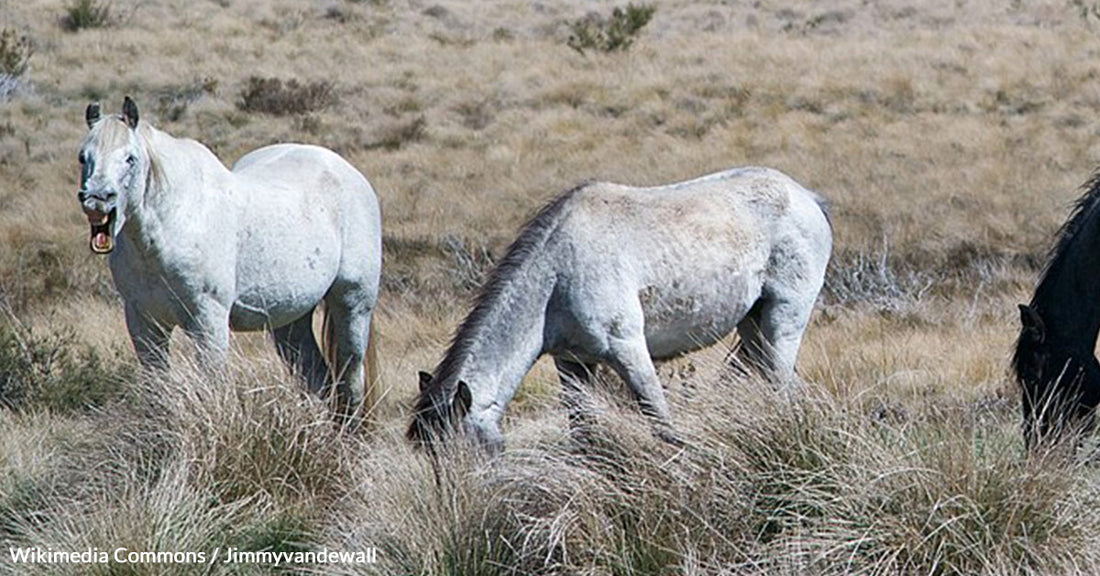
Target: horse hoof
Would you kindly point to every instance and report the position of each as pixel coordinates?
(672, 438)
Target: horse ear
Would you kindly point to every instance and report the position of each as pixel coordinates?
(91, 114)
(463, 399)
(425, 381)
(1032, 322)
(130, 112)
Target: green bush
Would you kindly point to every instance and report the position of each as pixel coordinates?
(15, 56)
(610, 34)
(53, 372)
(81, 14)
(15, 52)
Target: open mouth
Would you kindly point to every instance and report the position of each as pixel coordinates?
(101, 242)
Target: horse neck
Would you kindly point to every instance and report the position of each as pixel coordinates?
(502, 337)
(177, 185)
(1068, 296)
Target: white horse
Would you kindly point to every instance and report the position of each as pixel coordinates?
(195, 245)
(619, 275)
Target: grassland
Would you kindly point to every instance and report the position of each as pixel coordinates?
(949, 136)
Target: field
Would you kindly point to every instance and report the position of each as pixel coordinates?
(949, 136)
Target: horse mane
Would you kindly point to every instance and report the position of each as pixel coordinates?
(1081, 213)
(532, 237)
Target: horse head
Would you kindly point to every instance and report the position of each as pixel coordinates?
(114, 165)
(1060, 385)
(440, 412)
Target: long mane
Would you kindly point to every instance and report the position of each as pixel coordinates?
(1082, 212)
(532, 237)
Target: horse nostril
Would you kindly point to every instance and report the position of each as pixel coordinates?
(101, 196)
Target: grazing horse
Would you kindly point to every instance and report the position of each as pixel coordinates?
(1054, 359)
(194, 245)
(619, 275)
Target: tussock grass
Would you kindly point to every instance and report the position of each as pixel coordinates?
(189, 462)
(253, 433)
(768, 484)
(167, 516)
(800, 481)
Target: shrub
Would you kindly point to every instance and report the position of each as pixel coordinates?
(15, 55)
(610, 34)
(394, 136)
(279, 98)
(81, 14)
(172, 101)
(1086, 10)
(15, 52)
(53, 372)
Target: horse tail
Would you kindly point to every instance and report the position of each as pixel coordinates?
(372, 393)
(826, 209)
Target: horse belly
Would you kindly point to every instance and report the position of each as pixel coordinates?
(278, 289)
(682, 319)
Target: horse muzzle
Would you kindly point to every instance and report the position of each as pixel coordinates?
(101, 209)
(101, 240)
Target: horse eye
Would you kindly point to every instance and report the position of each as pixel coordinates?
(131, 159)
(80, 158)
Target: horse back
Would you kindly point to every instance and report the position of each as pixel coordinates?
(736, 217)
(695, 255)
(311, 216)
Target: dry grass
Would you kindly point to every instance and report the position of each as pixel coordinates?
(950, 138)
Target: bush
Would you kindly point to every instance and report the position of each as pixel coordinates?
(610, 34)
(279, 98)
(81, 14)
(15, 52)
(53, 372)
(172, 102)
(15, 56)
(398, 134)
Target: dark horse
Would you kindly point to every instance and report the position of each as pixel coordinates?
(1054, 359)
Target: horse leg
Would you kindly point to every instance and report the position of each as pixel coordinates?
(575, 376)
(208, 328)
(350, 330)
(150, 339)
(297, 346)
(630, 359)
(771, 335)
(750, 353)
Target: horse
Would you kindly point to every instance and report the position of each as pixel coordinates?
(613, 274)
(194, 245)
(1054, 360)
